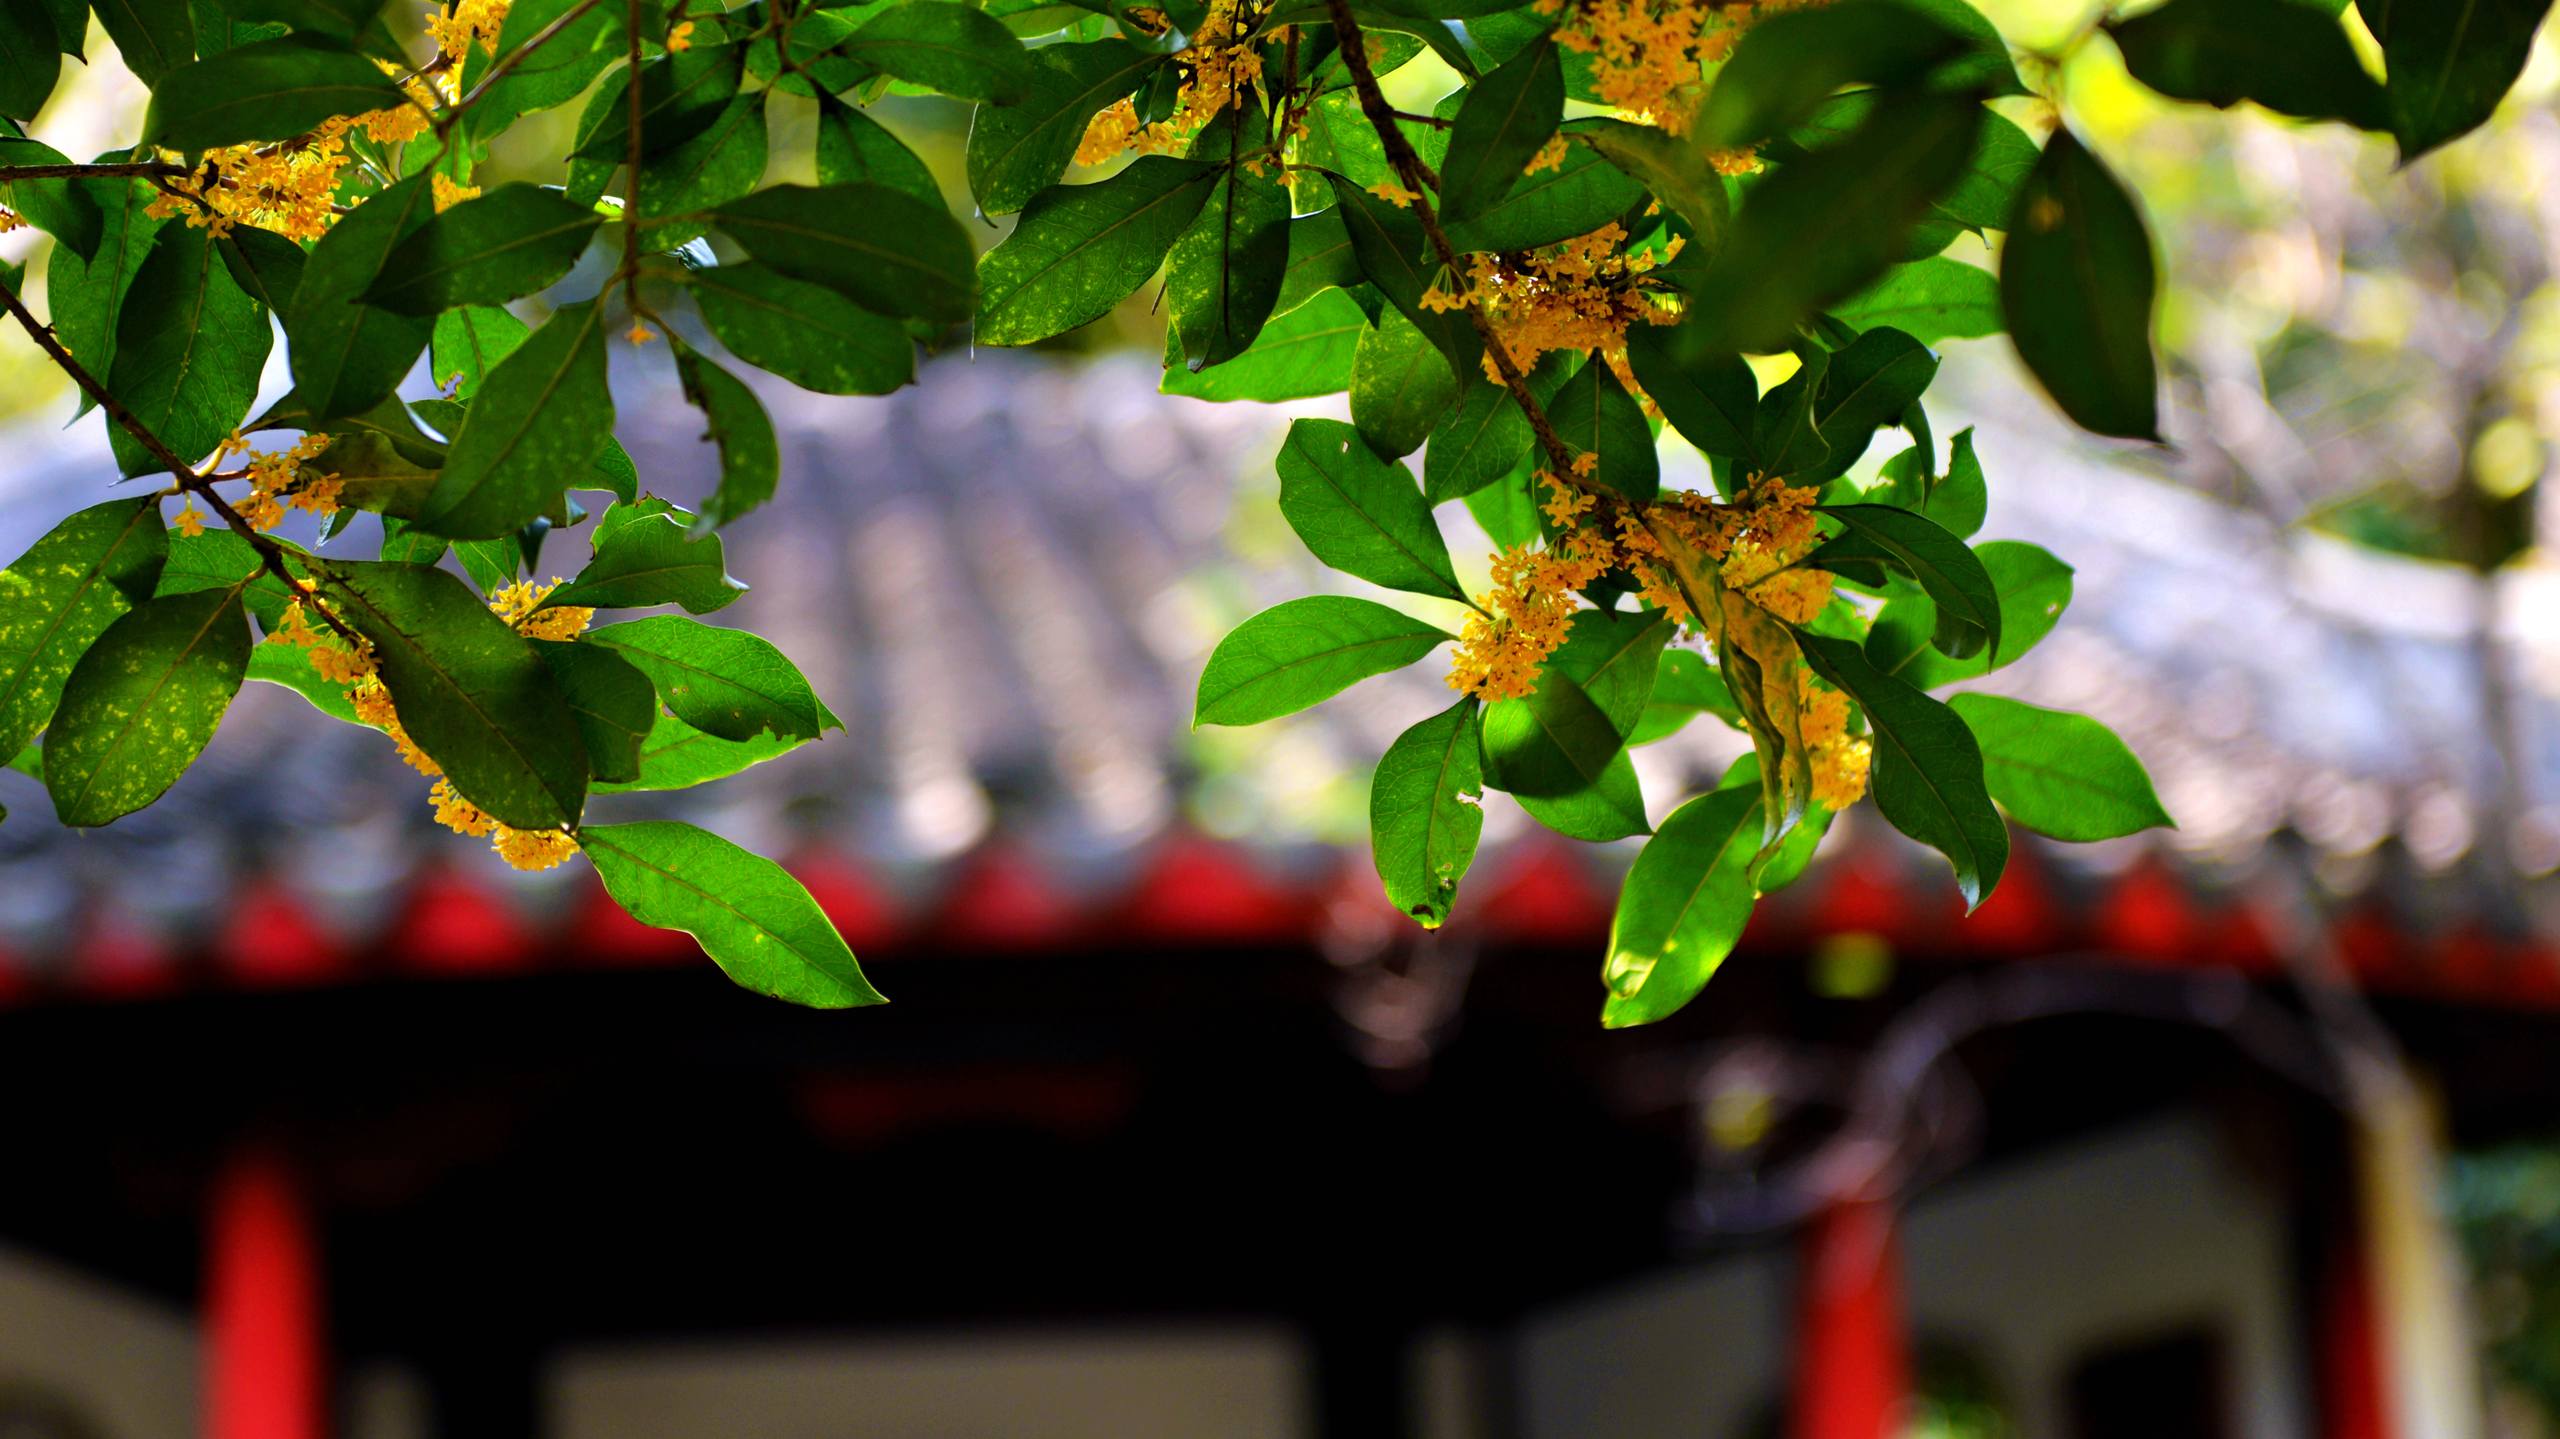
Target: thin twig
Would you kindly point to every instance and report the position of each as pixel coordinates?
(91, 172)
(269, 552)
(1418, 178)
(631, 202)
(512, 59)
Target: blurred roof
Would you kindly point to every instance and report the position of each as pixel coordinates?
(1005, 579)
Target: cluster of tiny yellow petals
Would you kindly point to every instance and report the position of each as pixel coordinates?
(1646, 55)
(680, 39)
(282, 480)
(1550, 156)
(350, 662)
(1795, 595)
(520, 605)
(188, 521)
(450, 192)
(1221, 66)
(10, 220)
(1839, 762)
(458, 26)
(1393, 193)
(1109, 133)
(1775, 529)
(1524, 617)
(1579, 294)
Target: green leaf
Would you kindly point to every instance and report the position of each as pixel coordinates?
(473, 695)
(1928, 769)
(345, 19)
(1945, 566)
(1961, 500)
(1223, 274)
(221, 560)
(512, 241)
(1295, 654)
(883, 249)
(141, 704)
(727, 160)
(1706, 393)
(678, 756)
(271, 90)
(1930, 300)
(1683, 906)
(1016, 151)
(854, 149)
(754, 920)
(1506, 508)
(573, 49)
(1788, 63)
(2282, 54)
(1078, 250)
(1320, 258)
(1685, 687)
(153, 37)
(30, 57)
(680, 95)
(612, 701)
(1609, 808)
(1572, 774)
(1873, 382)
(750, 456)
(1390, 247)
(1674, 168)
(1827, 224)
(61, 595)
(2060, 774)
(468, 343)
(1425, 812)
(1573, 198)
(948, 47)
(289, 667)
(68, 210)
(1400, 386)
(1307, 351)
(1984, 66)
(2034, 589)
(727, 682)
(348, 356)
(189, 346)
(1360, 514)
(1475, 443)
(265, 265)
(646, 558)
(540, 421)
(2450, 64)
(1507, 117)
(2077, 288)
(808, 335)
(1982, 197)
(1594, 415)
(86, 295)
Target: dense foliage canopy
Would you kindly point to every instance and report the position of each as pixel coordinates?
(1722, 217)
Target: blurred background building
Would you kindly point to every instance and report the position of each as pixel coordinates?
(323, 1122)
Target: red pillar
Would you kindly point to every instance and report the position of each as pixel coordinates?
(2354, 1400)
(263, 1365)
(1852, 1360)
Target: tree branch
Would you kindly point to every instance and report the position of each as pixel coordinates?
(271, 554)
(512, 59)
(92, 172)
(1417, 177)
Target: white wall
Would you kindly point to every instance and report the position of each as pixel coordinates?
(2112, 1238)
(126, 1364)
(1213, 1383)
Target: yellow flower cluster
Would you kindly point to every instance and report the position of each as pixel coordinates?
(291, 186)
(349, 661)
(1646, 54)
(450, 192)
(11, 221)
(1579, 294)
(1525, 616)
(1221, 66)
(279, 480)
(1839, 762)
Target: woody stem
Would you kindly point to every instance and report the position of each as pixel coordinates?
(270, 553)
(1418, 179)
(90, 172)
